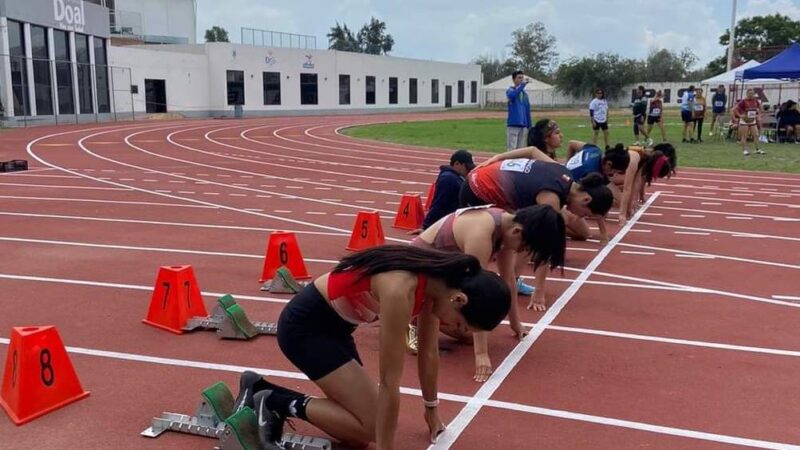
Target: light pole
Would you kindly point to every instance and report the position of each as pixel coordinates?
(732, 37)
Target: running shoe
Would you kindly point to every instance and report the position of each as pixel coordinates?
(746, 153)
(247, 382)
(524, 289)
(649, 142)
(760, 152)
(270, 424)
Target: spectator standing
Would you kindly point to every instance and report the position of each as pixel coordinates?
(718, 103)
(687, 109)
(598, 114)
(699, 113)
(655, 116)
(639, 106)
(519, 112)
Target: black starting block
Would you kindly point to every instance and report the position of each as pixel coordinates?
(236, 430)
(230, 322)
(284, 283)
(15, 165)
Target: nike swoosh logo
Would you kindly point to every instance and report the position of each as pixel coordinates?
(261, 414)
(239, 408)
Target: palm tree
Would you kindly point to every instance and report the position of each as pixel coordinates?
(341, 38)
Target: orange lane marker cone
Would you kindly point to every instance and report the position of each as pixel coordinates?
(367, 231)
(283, 250)
(38, 376)
(429, 198)
(176, 298)
(409, 214)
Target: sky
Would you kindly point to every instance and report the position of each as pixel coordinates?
(458, 31)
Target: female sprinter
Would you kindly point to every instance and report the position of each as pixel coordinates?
(489, 233)
(645, 166)
(655, 116)
(393, 283)
(526, 177)
(747, 114)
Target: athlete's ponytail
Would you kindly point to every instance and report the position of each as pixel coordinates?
(660, 163)
(618, 156)
(594, 184)
(451, 267)
(543, 234)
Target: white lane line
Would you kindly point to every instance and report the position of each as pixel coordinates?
(316, 213)
(672, 202)
(720, 213)
(789, 298)
(731, 200)
(684, 255)
(268, 185)
(172, 224)
(283, 211)
(693, 233)
(254, 209)
(90, 188)
(120, 202)
(345, 214)
(237, 195)
(687, 254)
(693, 216)
(210, 193)
(704, 193)
(185, 192)
(756, 205)
(176, 181)
(642, 231)
(150, 180)
(263, 196)
(323, 188)
(468, 413)
(653, 214)
(127, 179)
(712, 230)
(332, 199)
(628, 252)
(780, 196)
(769, 189)
(710, 204)
(294, 187)
(366, 202)
(740, 194)
(738, 218)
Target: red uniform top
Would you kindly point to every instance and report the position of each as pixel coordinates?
(747, 109)
(352, 297)
(514, 183)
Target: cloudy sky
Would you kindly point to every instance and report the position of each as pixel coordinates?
(459, 30)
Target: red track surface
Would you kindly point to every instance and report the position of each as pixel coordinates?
(676, 340)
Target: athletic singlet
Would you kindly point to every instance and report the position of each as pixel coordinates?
(514, 183)
(445, 239)
(642, 156)
(655, 108)
(748, 110)
(353, 300)
(586, 161)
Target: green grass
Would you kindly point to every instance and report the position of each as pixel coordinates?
(489, 135)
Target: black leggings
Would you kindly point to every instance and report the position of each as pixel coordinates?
(313, 336)
(699, 125)
(467, 197)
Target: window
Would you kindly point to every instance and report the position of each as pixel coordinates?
(84, 73)
(19, 68)
(235, 80)
(101, 75)
(41, 71)
(392, 90)
(272, 88)
(308, 89)
(66, 99)
(412, 91)
(435, 91)
(473, 92)
(461, 91)
(370, 90)
(344, 89)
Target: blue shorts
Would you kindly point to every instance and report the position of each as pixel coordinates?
(687, 116)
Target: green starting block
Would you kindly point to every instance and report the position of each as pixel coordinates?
(230, 321)
(284, 283)
(236, 430)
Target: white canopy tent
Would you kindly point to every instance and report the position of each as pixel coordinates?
(495, 92)
(729, 77)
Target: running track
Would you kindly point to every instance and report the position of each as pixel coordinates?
(681, 333)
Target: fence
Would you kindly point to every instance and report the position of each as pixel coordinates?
(45, 90)
(267, 38)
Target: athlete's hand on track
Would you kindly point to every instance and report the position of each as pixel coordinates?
(435, 425)
(519, 331)
(537, 302)
(483, 368)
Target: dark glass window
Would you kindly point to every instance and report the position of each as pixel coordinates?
(461, 91)
(272, 88)
(344, 89)
(235, 81)
(66, 99)
(412, 91)
(41, 71)
(101, 75)
(19, 68)
(435, 91)
(473, 92)
(392, 90)
(370, 90)
(84, 73)
(308, 89)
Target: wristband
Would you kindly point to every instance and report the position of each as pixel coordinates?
(431, 404)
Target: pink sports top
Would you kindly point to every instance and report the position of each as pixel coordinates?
(445, 240)
(351, 297)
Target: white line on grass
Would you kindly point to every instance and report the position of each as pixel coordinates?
(468, 413)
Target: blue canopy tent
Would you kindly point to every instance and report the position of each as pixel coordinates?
(784, 66)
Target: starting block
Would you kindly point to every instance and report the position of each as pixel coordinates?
(230, 321)
(284, 283)
(236, 430)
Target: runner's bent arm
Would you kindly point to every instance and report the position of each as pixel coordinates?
(525, 152)
(627, 189)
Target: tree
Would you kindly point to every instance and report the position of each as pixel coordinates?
(342, 38)
(579, 77)
(759, 38)
(666, 65)
(533, 50)
(373, 39)
(216, 34)
(494, 68)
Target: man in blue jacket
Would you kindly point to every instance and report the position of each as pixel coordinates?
(448, 185)
(519, 112)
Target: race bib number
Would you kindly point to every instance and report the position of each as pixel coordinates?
(719, 104)
(655, 112)
(751, 114)
(699, 108)
(576, 161)
(521, 165)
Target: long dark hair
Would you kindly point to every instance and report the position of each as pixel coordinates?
(594, 184)
(538, 135)
(488, 300)
(660, 163)
(543, 234)
(618, 156)
(451, 267)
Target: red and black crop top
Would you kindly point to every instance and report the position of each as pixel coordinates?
(351, 297)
